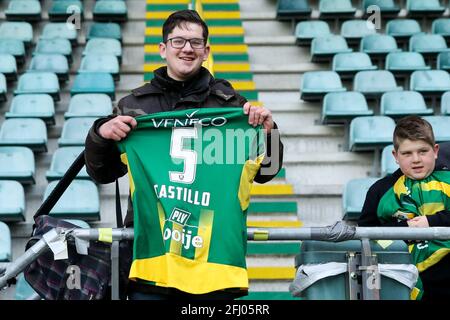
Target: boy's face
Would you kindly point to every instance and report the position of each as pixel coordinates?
(183, 63)
(416, 158)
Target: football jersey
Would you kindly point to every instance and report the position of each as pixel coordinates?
(190, 175)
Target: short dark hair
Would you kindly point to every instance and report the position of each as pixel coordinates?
(179, 19)
(413, 128)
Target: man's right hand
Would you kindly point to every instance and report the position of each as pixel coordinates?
(117, 128)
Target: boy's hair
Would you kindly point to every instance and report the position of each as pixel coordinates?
(179, 19)
(413, 128)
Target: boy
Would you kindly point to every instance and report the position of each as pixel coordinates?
(416, 196)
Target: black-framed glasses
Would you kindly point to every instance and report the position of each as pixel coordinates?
(179, 42)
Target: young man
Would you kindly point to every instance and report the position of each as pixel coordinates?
(182, 84)
(416, 196)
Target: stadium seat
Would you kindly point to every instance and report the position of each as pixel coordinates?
(354, 30)
(336, 287)
(336, 9)
(17, 163)
(431, 82)
(56, 30)
(104, 46)
(424, 7)
(56, 63)
(61, 10)
(368, 133)
(12, 201)
(293, 9)
(306, 31)
(427, 44)
(5, 243)
(316, 84)
(14, 47)
(403, 29)
(105, 30)
(324, 48)
(441, 27)
(387, 8)
(100, 63)
(33, 106)
(440, 126)
(54, 46)
(61, 161)
(445, 104)
(94, 82)
(403, 103)
(31, 133)
(3, 87)
(405, 62)
(340, 107)
(107, 10)
(23, 289)
(74, 131)
(8, 66)
(17, 30)
(388, 164)
(23, 10)
(443, 61)
(347, 64)
(79, 201)
(378, 45)
(79, 223)
(39, 82)
(89, 105)
(353, 197)
(375, 83)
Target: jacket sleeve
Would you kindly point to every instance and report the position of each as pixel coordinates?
(439, 219)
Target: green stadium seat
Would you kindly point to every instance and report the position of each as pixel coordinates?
(369, 133)
(89, 105)
(74, 131)
(62, 159)
(107, 10)
(17, 163)
(12, 201)
(105, 30)
(378, 45)
(340, 107)
(353, 197)
(443, 61)
(424, 7)
(39, 106)
(336, 287)
(405, 62)
(324, 48)
(56, 63)
(17, 30)
(8, 66)
(375, 83)
(388, 164)
(79, 223)
(402, 29)
(293, 9)
(31, 133)
(431, 82)
(54, 46)
(441, 27)
(316, 84)
(38, 82)
(440, 126)
(336, 9)
(61, 10)
(445, 104)
(23, 289)
(403, 103)
(104, 46)
(427, 44)
(354, 30)
(387, 8)
(94, 82)
(23, 10)
(268, 295)
(57, 30)
(100, 63)
(347, 64)
(14, 47)
(79, 201)
(3, 87)
(5, 243)
(306, 31)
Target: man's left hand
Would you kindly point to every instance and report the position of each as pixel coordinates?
(418, 222)
(259, 115)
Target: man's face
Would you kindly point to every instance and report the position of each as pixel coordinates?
(183, 63)
(416, 158)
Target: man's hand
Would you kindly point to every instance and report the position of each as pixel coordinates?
(117, 128)
(418, 222)
(259, 115)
